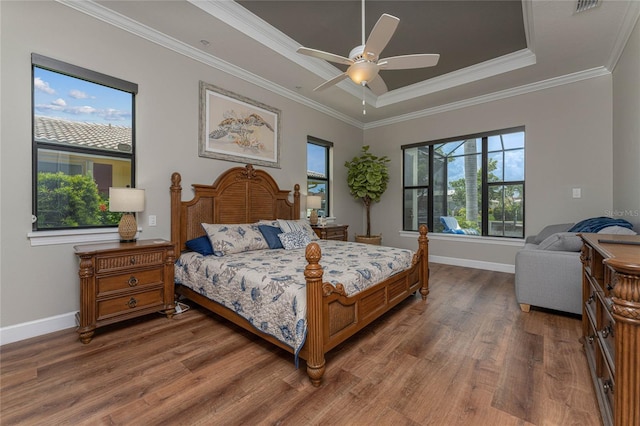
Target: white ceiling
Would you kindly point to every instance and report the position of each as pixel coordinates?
(561, 46)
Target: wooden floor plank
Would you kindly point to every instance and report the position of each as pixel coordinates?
(466, 356)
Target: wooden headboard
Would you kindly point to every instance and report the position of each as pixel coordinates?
(239, 195)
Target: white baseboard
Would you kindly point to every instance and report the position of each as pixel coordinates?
(27, 330)
(478, 264)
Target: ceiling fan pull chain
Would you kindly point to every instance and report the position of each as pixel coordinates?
(364, 93)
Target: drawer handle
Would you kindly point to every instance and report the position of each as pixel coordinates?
(606, 331)
(607, 386)
(591, 338)
(590, 299)
(132, 303)
(132, 260)
(133, 281)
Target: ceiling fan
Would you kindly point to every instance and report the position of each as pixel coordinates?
(364, 60)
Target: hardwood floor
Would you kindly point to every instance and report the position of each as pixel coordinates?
(469, 356)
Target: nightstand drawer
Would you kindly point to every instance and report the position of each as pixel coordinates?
(133, 260)
(130, 303)
(133, 279)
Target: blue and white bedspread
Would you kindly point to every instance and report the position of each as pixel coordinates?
(267, 287)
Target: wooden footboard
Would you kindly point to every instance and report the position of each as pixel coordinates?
(332, 317)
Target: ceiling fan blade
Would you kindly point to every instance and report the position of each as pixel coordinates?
(325, 55)
(380, 35)
(406, 62)
(328, 83)
(377, 86)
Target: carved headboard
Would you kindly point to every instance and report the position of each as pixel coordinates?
(239, 195)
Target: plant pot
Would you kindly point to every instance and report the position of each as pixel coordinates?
(374, 239)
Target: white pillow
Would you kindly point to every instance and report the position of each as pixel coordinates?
(294, 240)
(234, 238)
(615, 229)
(297, 225)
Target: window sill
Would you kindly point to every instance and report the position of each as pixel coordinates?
(74, 236)
(516, 242)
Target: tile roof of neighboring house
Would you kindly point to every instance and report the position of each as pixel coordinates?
(92, 135)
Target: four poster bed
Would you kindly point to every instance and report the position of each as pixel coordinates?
(324, 303)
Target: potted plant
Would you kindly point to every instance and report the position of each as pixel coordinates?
(367, 177)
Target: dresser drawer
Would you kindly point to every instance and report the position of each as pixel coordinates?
(133, 279)
(130, 303)
(606, 333)
(607, 389)
(335, 234)
(136, 260)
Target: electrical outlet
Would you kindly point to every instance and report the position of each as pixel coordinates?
(577, 193)
(152, 220)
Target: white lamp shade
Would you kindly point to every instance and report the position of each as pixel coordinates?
(126, 200)
(314, 202)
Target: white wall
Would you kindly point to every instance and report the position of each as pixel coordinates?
(42, 282)
(568, 144)
(626, 132)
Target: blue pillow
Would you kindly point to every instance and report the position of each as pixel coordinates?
(201, 245)
(270, 234)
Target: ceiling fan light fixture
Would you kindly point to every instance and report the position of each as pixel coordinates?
(362, 71)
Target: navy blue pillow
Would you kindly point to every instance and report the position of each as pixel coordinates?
(201, 245)
(270, 233)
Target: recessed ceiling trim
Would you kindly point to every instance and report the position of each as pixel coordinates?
(104, 14)
(503, 94)
(503, 64)
(255, 27)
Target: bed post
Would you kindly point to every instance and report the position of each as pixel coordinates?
(296, 201)
(423, 246)
(176, 199)
(315, 340)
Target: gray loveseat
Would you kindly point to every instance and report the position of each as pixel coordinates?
(549, 271)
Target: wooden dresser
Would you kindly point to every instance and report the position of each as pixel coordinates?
(331, 232)
(119, 281)
(611, 324)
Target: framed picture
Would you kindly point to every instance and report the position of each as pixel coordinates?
(235, 128)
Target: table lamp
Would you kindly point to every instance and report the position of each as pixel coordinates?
(314, 202)
(128, 201)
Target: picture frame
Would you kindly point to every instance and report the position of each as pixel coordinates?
(236, 128)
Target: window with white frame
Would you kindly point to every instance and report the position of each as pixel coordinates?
(83, 143)
(470, 185)
(318, 169)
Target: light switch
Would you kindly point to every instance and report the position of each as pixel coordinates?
(577, 192)
(152, 220)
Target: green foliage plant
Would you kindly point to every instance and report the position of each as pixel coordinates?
(367, 178)
(67, 201)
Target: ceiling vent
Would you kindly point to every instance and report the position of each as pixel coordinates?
(583, 5)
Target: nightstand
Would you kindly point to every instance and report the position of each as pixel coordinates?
(331, 232)
(119, 281)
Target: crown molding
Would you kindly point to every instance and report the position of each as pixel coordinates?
(503, 64)
(108, 16)
(630, 18)
(503, 94)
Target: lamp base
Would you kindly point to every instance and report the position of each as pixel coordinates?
(127, 228)
(313, 217)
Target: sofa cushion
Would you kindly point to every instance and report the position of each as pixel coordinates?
(548, 231)
(561, 241)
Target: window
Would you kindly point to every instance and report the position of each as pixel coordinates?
(83, 143)
(318, 166)
(476, 183)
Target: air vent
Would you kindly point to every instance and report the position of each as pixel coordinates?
(583, 5)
